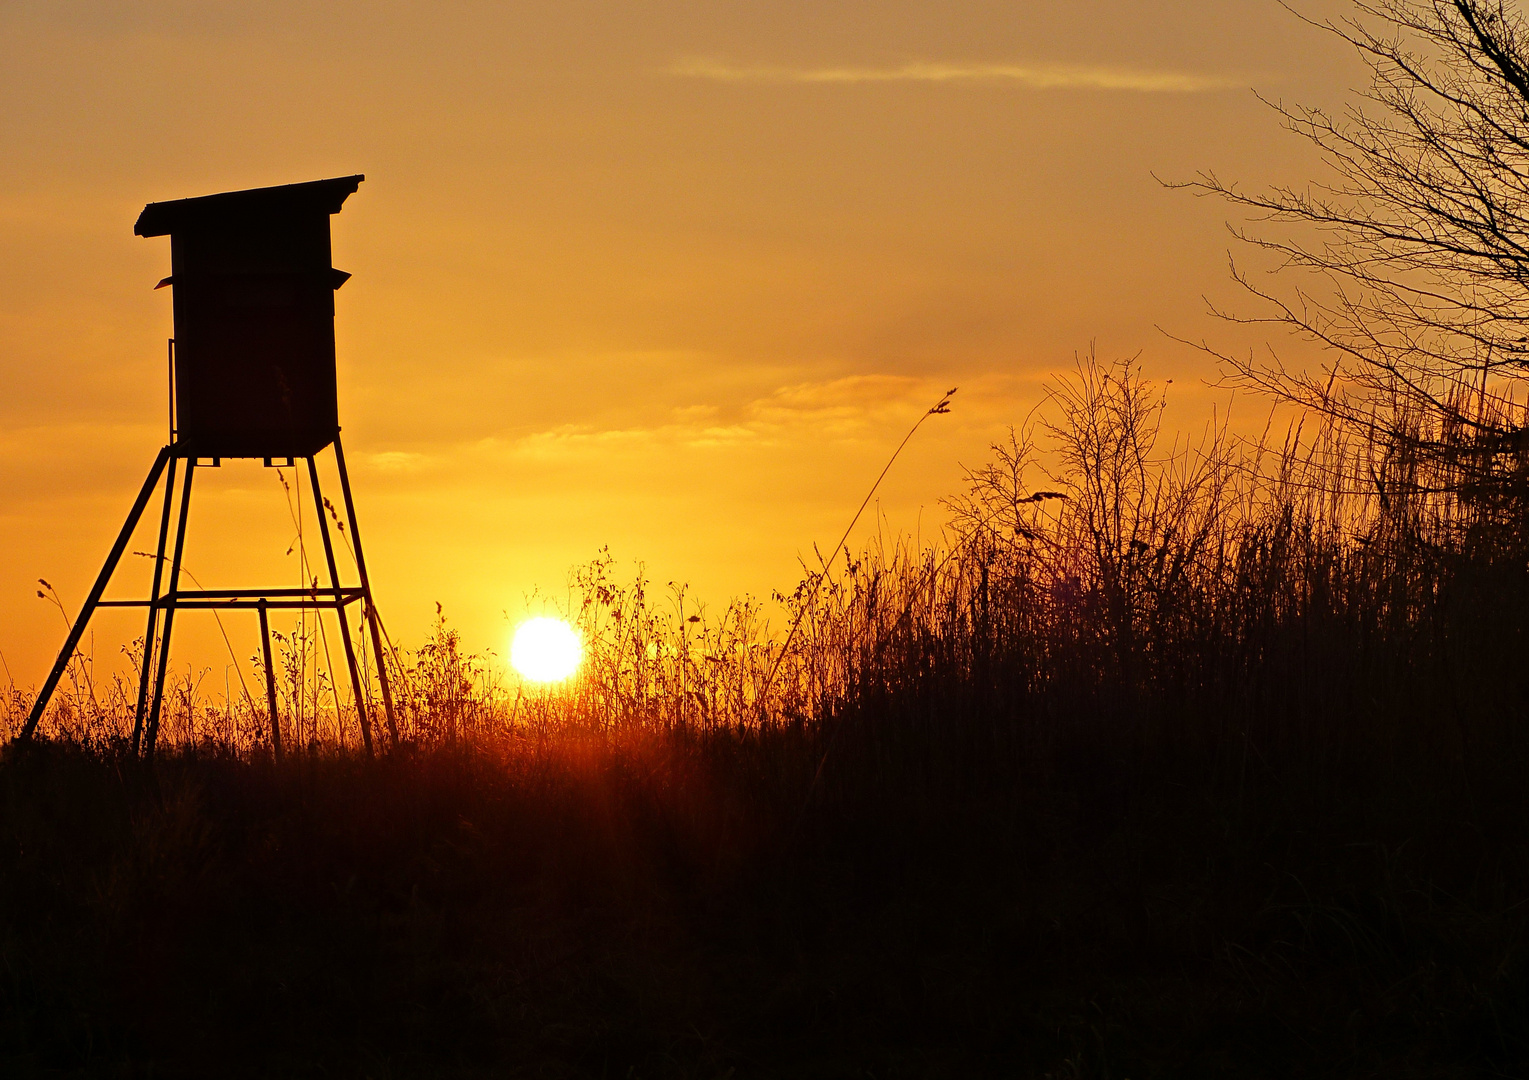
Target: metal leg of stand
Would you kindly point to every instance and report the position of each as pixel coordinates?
(270, 682)
(152, 730)
(366, 587)
(94, 598)
(339, 605)
(147, 671)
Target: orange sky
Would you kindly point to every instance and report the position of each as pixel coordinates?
(673, 278)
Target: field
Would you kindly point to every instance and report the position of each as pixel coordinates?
(1173, 760)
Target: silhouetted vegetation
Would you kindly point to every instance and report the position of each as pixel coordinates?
(1405, 258)
(1179, 759)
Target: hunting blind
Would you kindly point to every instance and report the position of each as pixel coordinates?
(254, 317)
(252, 376)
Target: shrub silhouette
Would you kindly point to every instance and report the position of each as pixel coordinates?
(1195, 757)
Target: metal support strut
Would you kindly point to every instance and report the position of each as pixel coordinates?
(78, 629)
(270, 682)
(151, 731)
(373, 621)
(339, 603)
(146, 668)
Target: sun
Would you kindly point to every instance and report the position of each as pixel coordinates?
(546, 650)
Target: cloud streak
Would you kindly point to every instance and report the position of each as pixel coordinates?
(1029, 76)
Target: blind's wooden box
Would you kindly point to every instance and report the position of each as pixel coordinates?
(254, 317)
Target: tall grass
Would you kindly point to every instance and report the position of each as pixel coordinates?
(1168, 741)
(1330, 600)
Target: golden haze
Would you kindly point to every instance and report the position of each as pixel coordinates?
(673, 279)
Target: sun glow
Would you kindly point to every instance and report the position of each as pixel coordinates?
(546, 650)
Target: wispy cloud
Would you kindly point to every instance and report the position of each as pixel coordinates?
(855, 409)
(1030, 76)
(398, 461)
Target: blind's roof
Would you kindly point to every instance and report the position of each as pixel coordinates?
(162, 218)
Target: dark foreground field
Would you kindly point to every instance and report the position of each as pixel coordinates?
(1179, 767)
(656, 910)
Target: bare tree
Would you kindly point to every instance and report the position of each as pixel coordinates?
(1418, 241)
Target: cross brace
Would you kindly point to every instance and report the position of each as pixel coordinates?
(155, 666)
